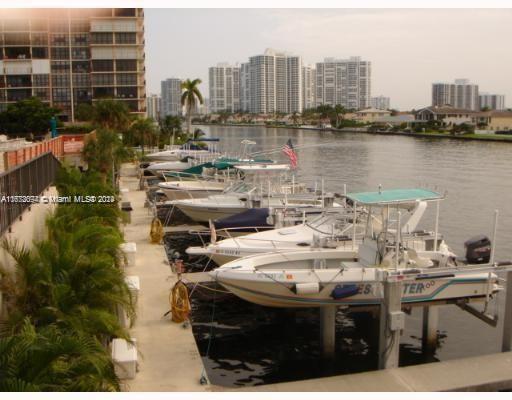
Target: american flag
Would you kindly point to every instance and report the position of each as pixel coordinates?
(290, 153)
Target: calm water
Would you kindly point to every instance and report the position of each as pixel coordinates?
(253, 345)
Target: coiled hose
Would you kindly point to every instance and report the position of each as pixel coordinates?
(157, 231)
(180, 304)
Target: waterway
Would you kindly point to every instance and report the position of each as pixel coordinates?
(243, 344)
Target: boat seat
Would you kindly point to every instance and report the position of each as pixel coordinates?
(419, 261)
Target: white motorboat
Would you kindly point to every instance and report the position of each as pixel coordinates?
(333, 230)
(177, 190)
(178, 154)
(319, 277)
(159, 168)
(260, 188)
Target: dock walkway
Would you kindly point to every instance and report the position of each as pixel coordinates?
(168, 356)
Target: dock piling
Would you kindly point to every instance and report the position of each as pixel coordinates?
(391, 323)
(328, 330)
(430, 325)
(507, 320)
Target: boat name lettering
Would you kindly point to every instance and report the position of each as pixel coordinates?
(417, 288)
(364, 289)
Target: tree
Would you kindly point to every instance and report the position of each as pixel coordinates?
(142, 131)
(170, 126)
(111, 114)
(339, 112)
(52, 360)
(105, 153)
(190, 97)
(85, 112)
(30, 116)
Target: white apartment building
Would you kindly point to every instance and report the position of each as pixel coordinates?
(344, 82)
(224, 85)
(245, 85)
(153, 106)
(492, 101)
(308, 87)
(460, 94)
(275, 83)
(380, 103)
(171, 97)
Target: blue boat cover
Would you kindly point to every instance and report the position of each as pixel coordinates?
(253, 217)
(343, 291)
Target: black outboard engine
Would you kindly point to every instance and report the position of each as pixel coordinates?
(478, 249)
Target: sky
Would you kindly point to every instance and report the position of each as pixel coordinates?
(409, 48)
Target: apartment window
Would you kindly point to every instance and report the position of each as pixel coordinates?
(103, 79)
(60, 66)
(39, 52)
(18, 81)
(39, 39)
(42, 94)
(2, 98)
(81, 67)
(103, 92)
(18, 94)
(126, 65)
(102, 38)
(102, 65)
(82, 95)
(79, 53)
(15, 25)
(2, 81)
(60, 53)
(125, 12)
(127, 92)
(61, 95)
(81, 80)
(80, 39)
(126, 79)
(59, 39)
(41, 80)
(18, 53)
(38, 25)
(126, 38)
(60, 80)
(16, 39)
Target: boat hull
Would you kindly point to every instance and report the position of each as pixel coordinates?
(205, 214)
(181, 194)
(282, 295)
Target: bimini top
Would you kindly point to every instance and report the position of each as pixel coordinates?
(394, 196)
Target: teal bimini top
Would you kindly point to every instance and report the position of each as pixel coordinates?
(394, 196)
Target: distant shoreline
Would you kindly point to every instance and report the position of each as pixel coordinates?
(472, 136)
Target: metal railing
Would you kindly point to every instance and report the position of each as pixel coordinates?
(28, 179)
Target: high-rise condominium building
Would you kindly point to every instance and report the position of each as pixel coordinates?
(153, 106)
(245, 86)
(492, 101)
(460, 94)
(308, 87)
(171, 97)
(380, 103)
(224, 85)
(344, 82)
(275, 83)
(67, 57)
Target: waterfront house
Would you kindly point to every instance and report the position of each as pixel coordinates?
(371, 114)
(446, 115)
(494, 120)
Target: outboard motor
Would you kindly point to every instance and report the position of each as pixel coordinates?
(478, 249)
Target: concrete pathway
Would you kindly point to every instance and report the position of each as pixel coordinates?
(168, 355)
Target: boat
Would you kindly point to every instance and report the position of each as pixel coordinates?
(176, 190)
(160, 168)
(262, 187)
(332, 229)
(316, 277)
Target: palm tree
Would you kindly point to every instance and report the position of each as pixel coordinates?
(190, 97)
(143, 131)
(50, 359)
(339, 111)
(111, 114)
